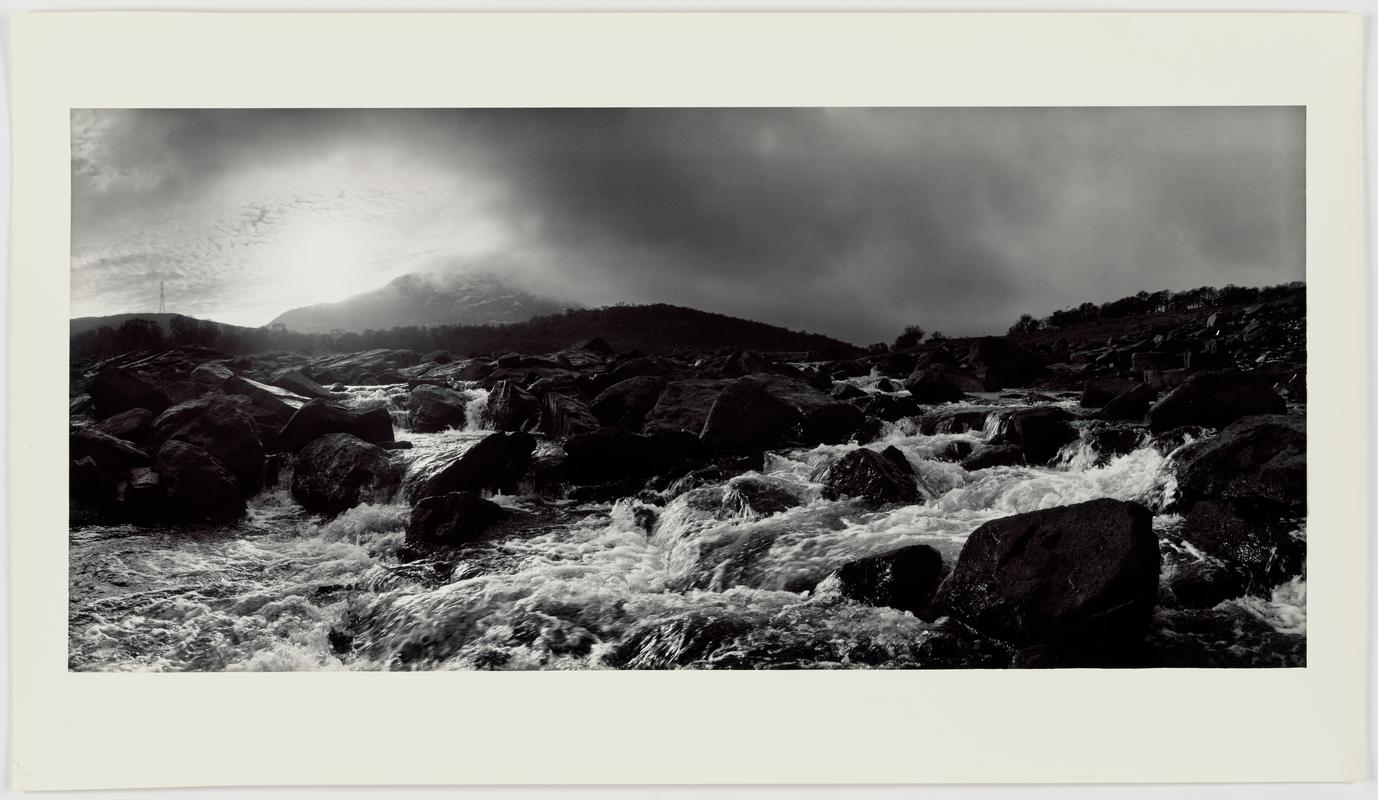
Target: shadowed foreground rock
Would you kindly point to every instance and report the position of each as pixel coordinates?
(320, 417)
(115, 390)
(338, 471)
(197, 488)
(1084, 574)
(496, 463)
(218, 426)
(1260, 459)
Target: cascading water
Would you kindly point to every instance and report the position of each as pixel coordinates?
(704, 580)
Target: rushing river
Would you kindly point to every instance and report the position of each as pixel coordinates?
(702, 581)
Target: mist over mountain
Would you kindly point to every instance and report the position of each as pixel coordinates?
(423, 299)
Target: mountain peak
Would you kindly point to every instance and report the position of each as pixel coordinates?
(424, 298)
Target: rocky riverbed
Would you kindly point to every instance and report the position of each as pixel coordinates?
(969, 503)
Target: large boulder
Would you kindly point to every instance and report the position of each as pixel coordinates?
(320, 417)
(884, 477)
(906, 579)
(933, 384)
(684, 405)
(453, 519)
(1082, 575)
(338, 471)
(433, 408)
(115, 390)
(196, 487)
(279, 402)
(830, 424)
(297, 382)
(134, 426)
(888, 407)
(626, 403)
(512, 408)
(745, 416)
(495, 463)
(999, 363)
(1258, 460)
(993, 455)
(1040, 432)
(213, 375)
(1214, 400)
(218, 426)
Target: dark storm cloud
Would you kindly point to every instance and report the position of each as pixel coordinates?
(853, 222)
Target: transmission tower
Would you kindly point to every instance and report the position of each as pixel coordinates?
(162, 299)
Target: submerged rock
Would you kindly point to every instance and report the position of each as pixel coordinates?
(760, 496)
(197, 487)
(884, 477)
(451, 519)
(338, 471)
(906, 579)
(1084, 574)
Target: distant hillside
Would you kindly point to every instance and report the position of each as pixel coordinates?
(164, 321)
(423, 299)
(651, 328)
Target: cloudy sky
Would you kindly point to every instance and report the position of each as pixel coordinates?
(850, 222)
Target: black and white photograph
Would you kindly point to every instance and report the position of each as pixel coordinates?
(738, 388)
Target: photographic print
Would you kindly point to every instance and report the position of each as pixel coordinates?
(687, 388)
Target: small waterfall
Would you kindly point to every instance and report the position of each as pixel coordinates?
(476, 411)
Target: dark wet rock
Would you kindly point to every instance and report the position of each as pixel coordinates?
(338, 471)
(934, 384)
(626, 403)
(888, 407)
(906, 579)
(438, 357)
(1131, 405)
(134, 426)
(1078, 574)
(1112, 440)
(1167, 442)
(884, 477)
(609, 453)
(433, 408)
(565, 415)
(760, 496)
(831, 424)
(141, 494)
(211, 375)
(320, 417)
(870, 429)
(182, 391)
(955, 450)
(395, 445)
(452, 519)
(115, 390)
(512, 408)
(1258, 545)
(113, 455)
(296, 382)
(1223, 636)
(953, 421)
(220, 427)
(1260, 460)
(197, 487)
(745, 416)
(999, 363)
(495, 463)
(1039, 432)
(993, 455)
(887, 385)
(86, 481)
(847, 391)
(1214, 400)
(1099, 391)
